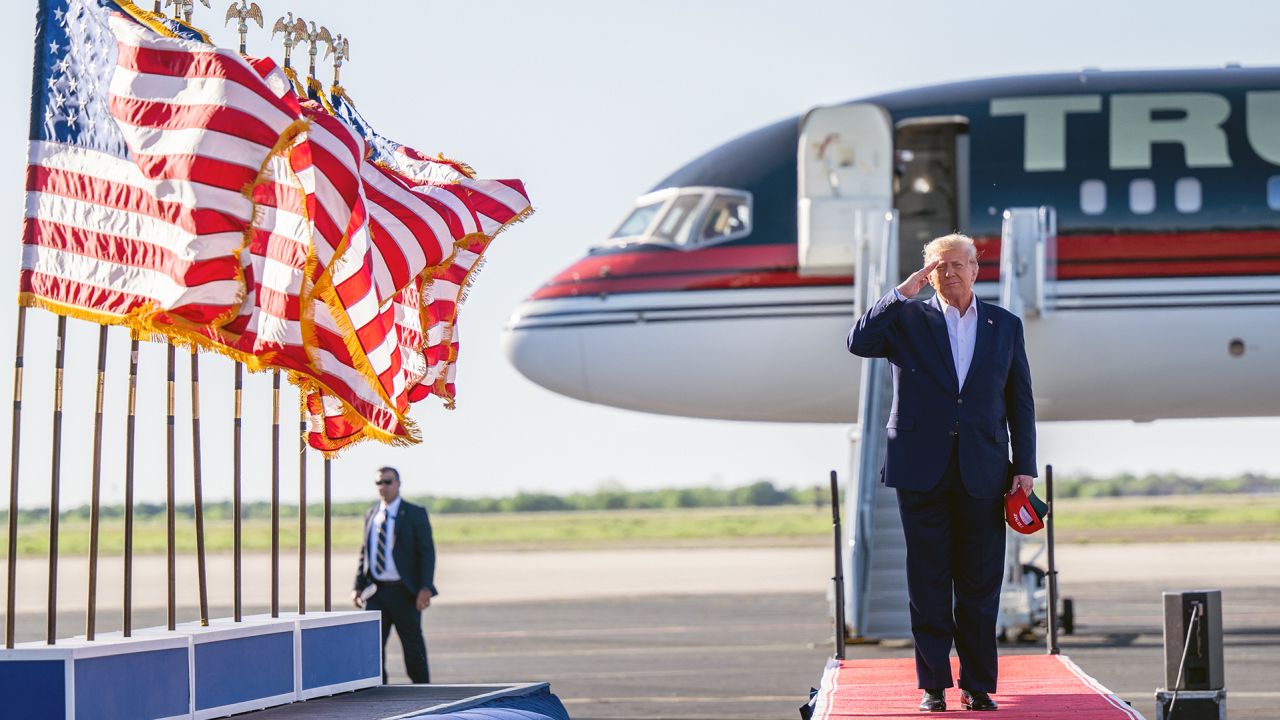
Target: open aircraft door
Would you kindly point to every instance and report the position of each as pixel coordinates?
(845, 185)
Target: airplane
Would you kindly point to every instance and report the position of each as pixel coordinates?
(728, 289)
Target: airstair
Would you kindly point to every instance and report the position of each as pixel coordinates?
(877, 552)
(845, 187)
(1028, 255)
(876, 555)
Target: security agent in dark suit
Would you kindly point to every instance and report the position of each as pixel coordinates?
(398, 558)
(961, 391)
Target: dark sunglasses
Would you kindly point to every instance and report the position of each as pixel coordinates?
(383, 481)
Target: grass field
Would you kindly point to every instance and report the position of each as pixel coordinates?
(1163, 519)
(483, 531)
(1171, 518)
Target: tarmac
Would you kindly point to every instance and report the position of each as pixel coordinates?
(721, 632)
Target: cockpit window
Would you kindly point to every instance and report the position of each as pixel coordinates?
(728, 216)
(687, 217)
(639, 220)
(677, 225)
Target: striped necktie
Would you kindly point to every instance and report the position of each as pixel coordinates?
(380, 554)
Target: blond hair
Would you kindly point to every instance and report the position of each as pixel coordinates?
(954, 241)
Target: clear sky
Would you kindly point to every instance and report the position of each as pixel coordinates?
(591, 103)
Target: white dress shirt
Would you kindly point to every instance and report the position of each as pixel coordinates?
(962, 331)
(385, 514)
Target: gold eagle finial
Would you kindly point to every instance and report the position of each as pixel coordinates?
(293, 31)
(244, 12)
(340, 48)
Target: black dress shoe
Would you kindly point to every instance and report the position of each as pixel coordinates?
(934, 701)
(977, 700)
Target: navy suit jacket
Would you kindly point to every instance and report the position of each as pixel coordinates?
(414, 551)
(928, 405)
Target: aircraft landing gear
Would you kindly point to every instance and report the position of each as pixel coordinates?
(1024, 597)
(1067, 620)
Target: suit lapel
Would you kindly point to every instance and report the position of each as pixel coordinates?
(401, 516)
(938, 328)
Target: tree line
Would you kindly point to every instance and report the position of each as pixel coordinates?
(762, 493)
(1126, 485)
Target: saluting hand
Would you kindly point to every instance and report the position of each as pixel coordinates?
(917, 281)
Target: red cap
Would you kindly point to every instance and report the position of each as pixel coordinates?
(1024, 513)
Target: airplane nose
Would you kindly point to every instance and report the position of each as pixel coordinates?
(548, 355)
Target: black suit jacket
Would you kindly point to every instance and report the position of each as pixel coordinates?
(414, 551)
(994, 407)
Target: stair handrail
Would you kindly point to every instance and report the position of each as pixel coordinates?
(880, 257)
(1028, 260)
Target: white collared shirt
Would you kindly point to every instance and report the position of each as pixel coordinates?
(385, 514)
(962, 331)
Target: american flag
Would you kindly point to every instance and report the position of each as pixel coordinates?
(177, 188)
(129, 214)
(416, 204)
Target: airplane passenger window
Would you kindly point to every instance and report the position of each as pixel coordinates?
(729, 216)
(677, 225)
(1186, 195)
(1093, 197)
(638, 221)
(1273, 192)
(1142, 196)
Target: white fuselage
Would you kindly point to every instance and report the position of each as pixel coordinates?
(1131, 349)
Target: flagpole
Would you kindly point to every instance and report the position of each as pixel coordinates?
(198, 488)
(51, 634)
(275, 494)
(328, 536)
(11, 598)
(170, 487)
(128, 487)
(91, 619)
(235, 491)
(302, 510)
(237, 579)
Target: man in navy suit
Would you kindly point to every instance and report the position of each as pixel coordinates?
(961, 392)
(398, 557)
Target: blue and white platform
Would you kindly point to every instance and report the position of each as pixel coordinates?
(194, 671)
(109, 678)
(517, 701)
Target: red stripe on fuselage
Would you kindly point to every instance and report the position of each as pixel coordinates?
(676, 283)
(669, 260)
(1080, 257)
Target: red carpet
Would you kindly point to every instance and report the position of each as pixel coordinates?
(1031, 686)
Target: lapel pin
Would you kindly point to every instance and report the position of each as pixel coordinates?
(990, 321)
